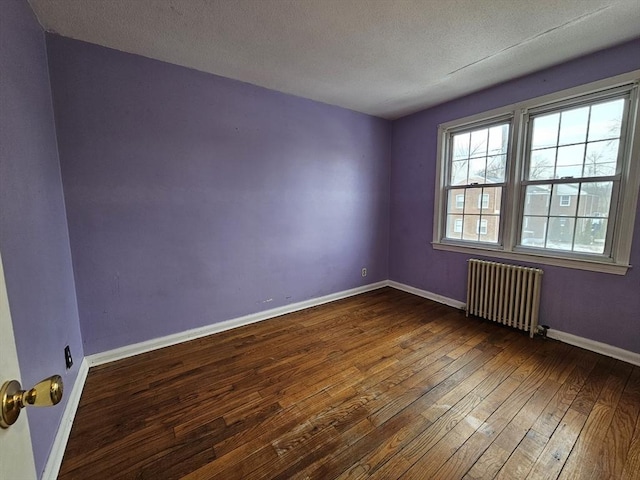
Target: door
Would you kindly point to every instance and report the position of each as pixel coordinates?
(16, 455)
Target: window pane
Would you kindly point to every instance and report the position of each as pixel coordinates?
(496, 166)
(483, 201)
(461, 146)
(606, 119)
(481, 226)
(601, 158)
(459, 172)
(469, 231)
(534, 231)
(499, 140)
(489, 227)
(590, 235)
(477, 167)
(569, 171)
(573, 126)
(454, 226)
(491, 200)
(564, 199)
(570, 160)
(560, 233)
(595, 199)
(472, 200)
(536, 200)
(456, 200)
(545, 131)
(542, 164)
(479, 143)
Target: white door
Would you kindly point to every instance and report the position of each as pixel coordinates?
(16, 455)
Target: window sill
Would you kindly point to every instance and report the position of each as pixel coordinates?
(578, 264)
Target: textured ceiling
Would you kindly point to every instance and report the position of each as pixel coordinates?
(382, 57)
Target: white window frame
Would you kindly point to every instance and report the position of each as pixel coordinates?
(507, 247)
(457, 225)
(482, 227)
(482, 204)
(460, 204)
(563, 203)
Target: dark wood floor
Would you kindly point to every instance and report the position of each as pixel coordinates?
(384, 385)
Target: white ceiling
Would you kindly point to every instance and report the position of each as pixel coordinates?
(382, 57)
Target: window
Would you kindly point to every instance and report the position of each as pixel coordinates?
(556, 172)
(477, 169)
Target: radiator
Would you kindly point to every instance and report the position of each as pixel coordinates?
(507, 294)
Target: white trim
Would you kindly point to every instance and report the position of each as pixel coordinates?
(598, 347)
(591, 345)
(567, 94)
(149, 345)
(428, 295)
(588, 265)
(54, 461)
(52, 467)
(629, 197)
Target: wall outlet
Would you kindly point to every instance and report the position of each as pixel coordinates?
(68, 359)
(364, 272)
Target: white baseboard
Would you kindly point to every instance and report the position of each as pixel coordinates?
(57, 452)
(587, 344)
(149, 345)
(425, 294)
(598, 347)
(52, 467)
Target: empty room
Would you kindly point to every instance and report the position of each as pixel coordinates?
(319, 239)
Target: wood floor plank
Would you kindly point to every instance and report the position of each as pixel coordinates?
(632, 463)
(381, 385)
(520, 462)
(610, 459)
(488, 418)
(583, 458)
(492, 460)
(417, 408)
(557, 450)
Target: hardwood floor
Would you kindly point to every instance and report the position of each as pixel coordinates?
(383, 385)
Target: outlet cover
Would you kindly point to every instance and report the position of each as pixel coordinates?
(68, 359)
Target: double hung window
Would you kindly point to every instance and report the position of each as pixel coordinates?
(477, 165)
(555, 178)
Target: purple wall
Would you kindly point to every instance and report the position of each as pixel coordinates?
(600, 307)
(33, 228)
(194, 199)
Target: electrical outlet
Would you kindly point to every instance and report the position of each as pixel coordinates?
(364, 272)
(68, 359)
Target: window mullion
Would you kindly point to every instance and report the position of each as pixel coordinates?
(514, 205)
(614, 208)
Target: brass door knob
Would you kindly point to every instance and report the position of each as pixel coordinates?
(46, 393)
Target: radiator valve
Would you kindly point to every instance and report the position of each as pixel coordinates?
(542, 330)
